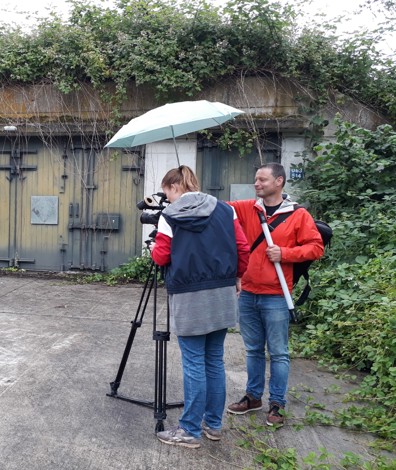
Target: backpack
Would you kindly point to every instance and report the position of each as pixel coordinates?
(299, 269)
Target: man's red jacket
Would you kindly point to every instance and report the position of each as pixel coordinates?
(297, 236)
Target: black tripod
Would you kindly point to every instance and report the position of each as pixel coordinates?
(161, 337)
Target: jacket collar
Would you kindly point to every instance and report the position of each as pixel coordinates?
(286, 206)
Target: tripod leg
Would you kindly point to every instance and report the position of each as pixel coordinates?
(136, 323)
(114, 385)
(160, 406)
(159, 427)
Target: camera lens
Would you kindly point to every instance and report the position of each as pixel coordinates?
(147, 218)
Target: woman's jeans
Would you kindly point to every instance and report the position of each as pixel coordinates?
(204, 381)
(264, 321)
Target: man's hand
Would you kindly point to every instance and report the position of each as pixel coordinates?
(274, 253)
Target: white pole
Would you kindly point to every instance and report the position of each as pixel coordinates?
(278, 267)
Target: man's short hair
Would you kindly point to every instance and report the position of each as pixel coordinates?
(276, 169)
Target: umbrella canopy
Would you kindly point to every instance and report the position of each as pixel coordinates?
(170, 121)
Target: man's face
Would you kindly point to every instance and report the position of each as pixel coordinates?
(265, 184)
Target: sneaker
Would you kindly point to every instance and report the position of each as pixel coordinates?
(248, 403)
(274, 417)
(179, 437)
(212, 434)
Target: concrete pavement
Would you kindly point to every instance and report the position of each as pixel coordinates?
(61, 344)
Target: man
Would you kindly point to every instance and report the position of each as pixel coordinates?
(264, 315)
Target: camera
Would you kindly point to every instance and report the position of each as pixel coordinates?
(152, 204)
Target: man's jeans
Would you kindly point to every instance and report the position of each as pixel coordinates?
(203, 380)
(264, 320)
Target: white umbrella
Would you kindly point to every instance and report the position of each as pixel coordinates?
(170, 121)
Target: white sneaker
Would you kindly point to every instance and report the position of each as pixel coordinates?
(179, 437)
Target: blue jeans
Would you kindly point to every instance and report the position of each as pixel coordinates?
(203, 380)
(264, 321)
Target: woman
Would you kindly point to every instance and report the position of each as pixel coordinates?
(205, 252)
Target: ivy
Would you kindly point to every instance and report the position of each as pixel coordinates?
(239, 139)
(178, 48)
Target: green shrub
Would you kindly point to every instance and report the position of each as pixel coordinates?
(350, 319)
(137, 269)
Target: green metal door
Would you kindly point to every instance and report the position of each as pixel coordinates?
(66, 205)
(103, 226)
(18, 163)
(219, 169)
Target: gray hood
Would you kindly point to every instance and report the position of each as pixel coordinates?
(192, 211)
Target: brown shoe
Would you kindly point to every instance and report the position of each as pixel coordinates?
(248, 403)
(275, 416)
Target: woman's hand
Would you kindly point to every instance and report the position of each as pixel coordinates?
(238, 286)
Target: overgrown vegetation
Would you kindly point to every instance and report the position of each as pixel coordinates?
(350, 321)
(180, 47)
(256, 438)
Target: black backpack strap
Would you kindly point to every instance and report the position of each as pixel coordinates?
(257, 242)
(305, 293)
(281, 218)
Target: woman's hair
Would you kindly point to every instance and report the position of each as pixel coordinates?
(183, 176)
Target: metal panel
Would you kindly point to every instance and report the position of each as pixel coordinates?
(44, 210)
(242, 191)
(108, 222)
